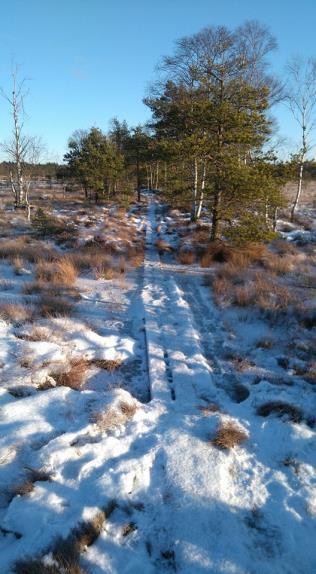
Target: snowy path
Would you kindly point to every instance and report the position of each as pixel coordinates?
(191, 508)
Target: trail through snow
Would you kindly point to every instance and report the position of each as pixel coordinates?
(194, 509)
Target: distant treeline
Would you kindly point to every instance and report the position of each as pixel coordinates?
(49, 170)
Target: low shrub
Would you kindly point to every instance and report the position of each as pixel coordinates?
(228, 435)
(280, 409)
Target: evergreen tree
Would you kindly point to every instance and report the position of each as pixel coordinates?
(212, 114)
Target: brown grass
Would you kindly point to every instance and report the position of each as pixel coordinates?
(55, 306)
(26, 248)
(128, 529)
(186, 257)
(75, 376)
(113, 418)
(209, 410)
(265, 343)
(223, 252)
(277, 265)
(37, 334)
(18, 265)
(24, 488)
(280, 409)
(245, 290)
(66, 552)
(228, 435)
(16, 313)
(62, 272)
(107, 364)
(36, 566)
(37, 474)
(163, 246)
(104, 271)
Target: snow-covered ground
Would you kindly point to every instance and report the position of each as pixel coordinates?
(141, 436)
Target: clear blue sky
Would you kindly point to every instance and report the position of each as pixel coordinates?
(90, 60)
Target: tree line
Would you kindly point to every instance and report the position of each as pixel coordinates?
(209, 143)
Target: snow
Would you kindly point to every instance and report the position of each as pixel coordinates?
(196, 508)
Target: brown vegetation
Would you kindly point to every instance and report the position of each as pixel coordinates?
(107, 364)
(75, 376)
(228, 435)
(16, 313)
(55, 306)
(66, 552)
(26, 249)
(186, 257)
(163, 246)
(113, 418)
(280, 409)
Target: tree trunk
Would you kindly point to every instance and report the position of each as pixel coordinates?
(195, 188)
(215, 213)
(157, 176)
(299, 187)
(138, 176)
(200, 204)
(274, 220)
(19, 185)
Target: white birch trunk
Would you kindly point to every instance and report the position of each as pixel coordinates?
(200, 204)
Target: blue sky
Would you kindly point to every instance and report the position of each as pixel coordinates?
(90, 60)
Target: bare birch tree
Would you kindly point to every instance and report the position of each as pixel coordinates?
(302, 102)
(21, 149)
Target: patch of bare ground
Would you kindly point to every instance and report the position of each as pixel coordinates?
(281, 409)
(113, 418)
(229, 435)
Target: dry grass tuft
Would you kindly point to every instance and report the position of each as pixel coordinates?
(223, 252)
(107, 364)
(277, 265)
(62, 272)
(280, 409)
(88, 532)
(66, 552)
(104, 271)
(209, 409)
(186, 257)
(245, 290)
(18, 265)
(75, 377)
(128, 529)
(113, 418)
(163, 246)
(265, 343)
(16, 313)
(55, 307)
(24, 488)
(35, 566)
(37, 334)
(26, 249)
(38, 474)
(128, 409)
(229, 435)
